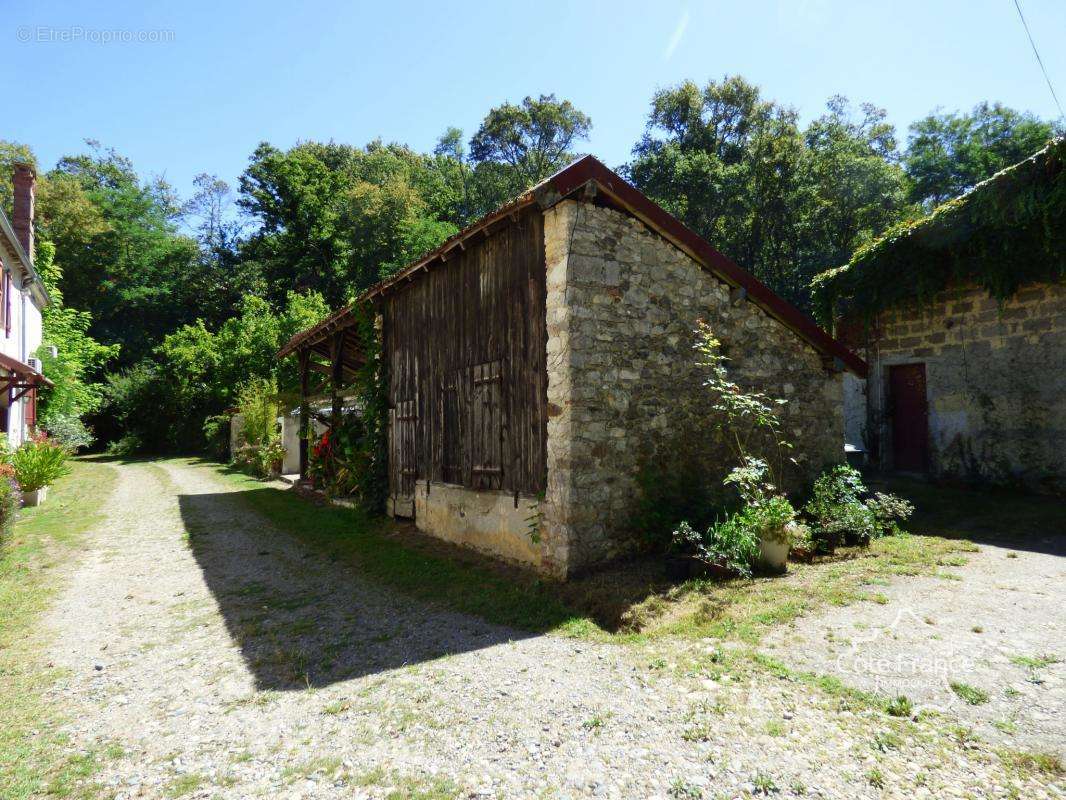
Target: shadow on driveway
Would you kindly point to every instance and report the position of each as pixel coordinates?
(303, 617)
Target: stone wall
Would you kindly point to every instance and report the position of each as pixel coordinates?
(622, 304)
(996, 383)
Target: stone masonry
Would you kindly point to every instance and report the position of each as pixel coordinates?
(995, 378)
(622, 304)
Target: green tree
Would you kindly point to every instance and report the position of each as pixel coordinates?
(78, 357)
(533, 139)
(948, 153)
(336, 219)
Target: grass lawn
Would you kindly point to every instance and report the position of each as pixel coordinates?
(633, 601)
(34, 759)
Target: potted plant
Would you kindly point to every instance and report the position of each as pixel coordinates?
(772, 517)
(38, 463)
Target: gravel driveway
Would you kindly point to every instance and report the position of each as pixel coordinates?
(211, 655)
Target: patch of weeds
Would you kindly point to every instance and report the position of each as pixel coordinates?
(1032, 763)
(1012, 554)
(700, 732)
(977, 629)
(338, 707)
(434, 788)
(962, 734)
(681, 789)
(594, 723)
(952, 561)
(798, 788)
(183, 785)
(659, 663)
(899, 706)
(948, 576)
(1005, 725)
(1010, 691)
(971, 694)
(764, 784)
(875, 778)
(1035, 662)
(887, 740)
(775, 728)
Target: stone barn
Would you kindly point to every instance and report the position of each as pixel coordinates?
(540, 356)
(961, 317)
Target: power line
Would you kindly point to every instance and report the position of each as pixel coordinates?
(1039, 60)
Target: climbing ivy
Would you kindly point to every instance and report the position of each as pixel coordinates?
(1005, 232)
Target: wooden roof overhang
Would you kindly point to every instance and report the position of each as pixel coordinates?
(592, 178)
(20, 377)
(321, 339)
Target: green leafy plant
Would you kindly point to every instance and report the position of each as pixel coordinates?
(69, 431)
(731, 544)
(889, 511)
(260, 436)
(39, 462)
(836, 508)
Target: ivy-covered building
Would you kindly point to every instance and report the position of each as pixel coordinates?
(961, 317)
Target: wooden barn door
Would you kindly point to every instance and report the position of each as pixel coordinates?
(910, 417)
(403, 457)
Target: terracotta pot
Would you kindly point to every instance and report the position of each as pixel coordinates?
(804, 554)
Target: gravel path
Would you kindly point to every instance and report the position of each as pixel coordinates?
(996, 623)
(213, 656)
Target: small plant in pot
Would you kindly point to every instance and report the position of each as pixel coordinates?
(38, 463)
(729, 548)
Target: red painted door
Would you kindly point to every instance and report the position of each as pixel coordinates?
(910, 417)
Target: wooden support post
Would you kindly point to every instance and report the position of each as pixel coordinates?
(336, 356)
(305, 409)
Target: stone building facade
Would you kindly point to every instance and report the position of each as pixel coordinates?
(622, 306)
(540, 360)
(995, 384)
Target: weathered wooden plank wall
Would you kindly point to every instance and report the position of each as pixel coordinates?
(466, 349)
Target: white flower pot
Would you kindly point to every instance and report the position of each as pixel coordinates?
(34, 498)
(774, 554)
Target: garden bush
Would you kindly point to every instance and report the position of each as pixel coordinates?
(841, 505)
(69, 431)
(260, 449)
(39, 462)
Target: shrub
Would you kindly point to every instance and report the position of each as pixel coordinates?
(889, 511)
(259, 407)
(39, 462)
(70, 432)
(10, 498)
(770, 518)
(216, 435)
(127, 445)
(836, 506)
(732, 543)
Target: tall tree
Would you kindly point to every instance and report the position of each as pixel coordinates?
(335, 219)
(533, 139)
(948, 153)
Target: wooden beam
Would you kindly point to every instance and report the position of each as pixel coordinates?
(337, 378)
(305, 410)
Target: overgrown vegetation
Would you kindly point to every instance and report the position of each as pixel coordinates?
(1005, 233)
(351, 461)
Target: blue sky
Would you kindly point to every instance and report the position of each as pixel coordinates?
(236, 73)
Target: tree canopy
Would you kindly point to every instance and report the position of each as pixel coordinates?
(165, 307)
